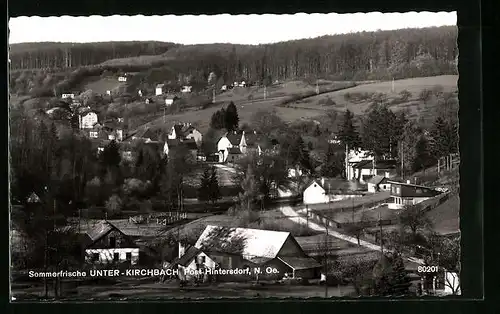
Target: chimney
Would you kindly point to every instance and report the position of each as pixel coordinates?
(408, 182)
(182, 249)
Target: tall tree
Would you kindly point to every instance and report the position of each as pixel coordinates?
(231, 117)
(347, 131)
(213, 188)
(217, 121)
(204, 188)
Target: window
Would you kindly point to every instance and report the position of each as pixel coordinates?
(112, 241)
(116, 257)
(95, 257)
(128, 256)
(201, 259)
(398, 190)
(418, 191)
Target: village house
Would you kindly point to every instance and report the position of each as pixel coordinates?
(241, 248)
(240, 84)
(326, 190)
(186, 89)
(223, 88)
(233, 145)
(189, 144)
(378, 183)
(169, 100)
(107, 244)
(409, 194)
(146, 135)
(365, 169)
(122, 78)
(183, 131)
(87, 120)
(149, 100)
(160, 89)
(353, 157)
(191, 259)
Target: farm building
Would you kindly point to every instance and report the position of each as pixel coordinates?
(325, 190)
(233, 154)
(189, 144)
(353, 158)
(107, 244)
(409, 194)
(256, 249)
(378, 183)
(122, 78)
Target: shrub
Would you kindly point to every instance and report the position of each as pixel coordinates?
(114, 205)
(404, 95)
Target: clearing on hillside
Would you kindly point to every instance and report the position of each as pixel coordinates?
(362, 95)
(101, 85)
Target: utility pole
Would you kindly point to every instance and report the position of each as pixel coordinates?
(164, 118)
(213, 95)
(265, 92)
(326, 261)
(317, 87)
(392, 88)
(347, 161)
(380, 226)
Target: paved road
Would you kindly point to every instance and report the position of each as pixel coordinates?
(294, 216)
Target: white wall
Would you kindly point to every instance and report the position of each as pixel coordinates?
(158, 91)
(209, 263)
(196, 135)
(314, 194)
(224, 144)
(172, 135)
(169, 102)
(106, 255)
(396, 205)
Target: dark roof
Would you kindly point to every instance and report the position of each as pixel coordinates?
(188, 256)
(412, 192)
(190, 144)
(173, 143)
(100, 230)
(298, 263)
(377, 179)
(160, 85)
(155, 145)
(381, 164)
(234, 150)
(335, 184)
(234, 138)
(252, 139)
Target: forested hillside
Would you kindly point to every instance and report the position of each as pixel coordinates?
(379, 55)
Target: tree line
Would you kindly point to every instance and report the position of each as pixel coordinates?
(360, 56)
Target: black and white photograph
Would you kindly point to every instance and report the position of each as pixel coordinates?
(234, 156)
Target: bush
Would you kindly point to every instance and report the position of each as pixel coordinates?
(114, 205)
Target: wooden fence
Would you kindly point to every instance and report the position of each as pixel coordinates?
(448, 163)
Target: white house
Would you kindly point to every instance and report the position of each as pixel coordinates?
(409, 194)
(240, 143)
(223, 88)
(139, 93)
(365, 169)
(108, 92)
(169, 100)
(160, 89)
(87, 120)
(71, 96)
(107, 244)
(185, 131)
(186, 89)
(122, 79)
(355, 156)
(225, 143)
(322, 190)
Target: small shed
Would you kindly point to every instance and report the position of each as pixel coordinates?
(377, 184)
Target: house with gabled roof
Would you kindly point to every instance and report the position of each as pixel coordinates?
(192, 263)
(185, 130)
(106, 244)
(366, 169)
(409, 194)
(172, 144)
(378, 183)
(325, 190)
(246, 143)
(257, 249)
(160, 89)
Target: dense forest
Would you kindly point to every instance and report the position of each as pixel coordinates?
(359, 56)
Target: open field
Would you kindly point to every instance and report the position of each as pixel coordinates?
(413, 85)
(101, 85)
(369, 214)
(446, 217)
